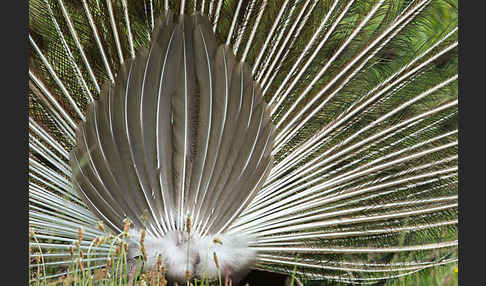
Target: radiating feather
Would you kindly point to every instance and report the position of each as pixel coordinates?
(97, 169)
(244, 190)
(118, 115)
(229, 175)
(181, 130)
(253, 171)
(259, 176)
(133, 125)
(90, 195)
(204, 52)
(98, 191)
(192, 110)
(167, 85)
(149, 117)
(112, 158)
(219, 116)
(235, 97)
(238, 162)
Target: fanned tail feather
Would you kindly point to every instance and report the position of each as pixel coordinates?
(324, 130)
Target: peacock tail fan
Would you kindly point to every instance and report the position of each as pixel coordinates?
(305, 137)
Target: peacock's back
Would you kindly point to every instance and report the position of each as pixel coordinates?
(309, 137)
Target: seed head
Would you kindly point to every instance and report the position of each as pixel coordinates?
(144, 253)
(101, 226)
(108, 264)
(80, 234)
(159, 261)
(80, 264)
(99, 274)
(188, 224)
(142, 236)
(100, 240)
(142, 246)
(216, 259)
(126, 227)
(69, 279)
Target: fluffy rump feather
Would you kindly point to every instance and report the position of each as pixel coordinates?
(181, 252)
(234, 255)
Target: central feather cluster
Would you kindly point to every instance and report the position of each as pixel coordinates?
(183, 130)
(205, 257)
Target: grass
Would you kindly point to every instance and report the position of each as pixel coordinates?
(116, 272)
(446, 275)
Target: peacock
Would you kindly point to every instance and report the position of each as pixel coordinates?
(313, 138)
